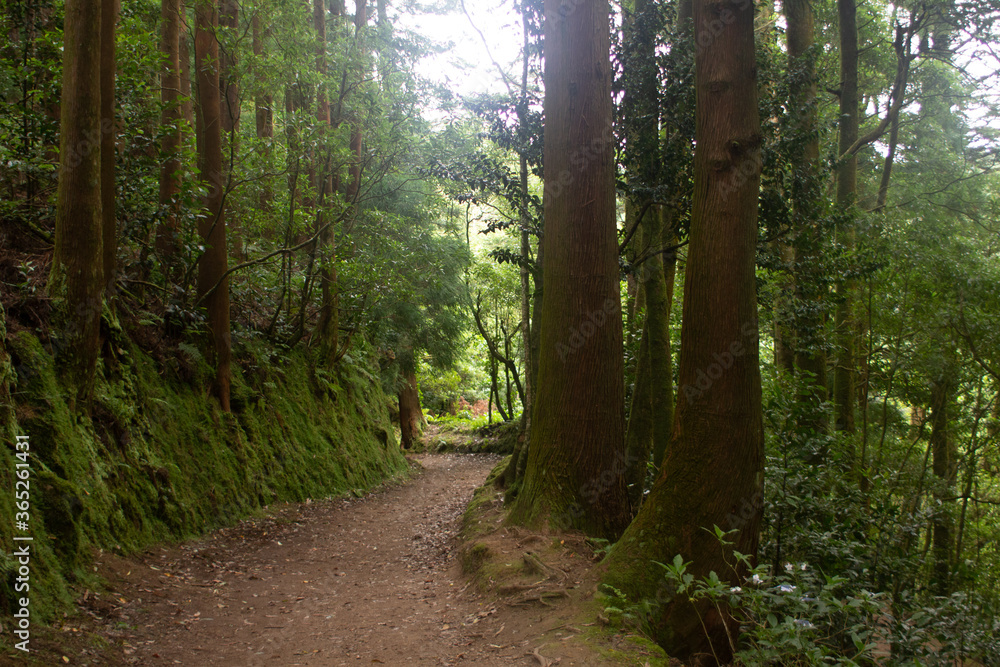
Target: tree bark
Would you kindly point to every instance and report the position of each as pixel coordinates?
(713, 472)
(76, 282)
(410, 415)
(575, 469)
(213, 284)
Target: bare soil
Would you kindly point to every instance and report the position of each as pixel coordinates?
(373, 580)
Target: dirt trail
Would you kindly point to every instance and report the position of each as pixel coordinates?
(340, 582)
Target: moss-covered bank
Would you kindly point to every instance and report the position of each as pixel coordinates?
(157, 460)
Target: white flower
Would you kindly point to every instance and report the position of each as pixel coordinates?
(803, 623)
(735, 589)
(786, 588)
(789, 567)
(755, 579)
(802, 566)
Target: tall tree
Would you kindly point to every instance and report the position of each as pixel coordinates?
(109, 224)
(326, 329)
(411, 416)
(652, 411)
(809, 235)
(945, 466)
(357, 130)
(76, 282)
(170, 172)
(213, 281)
(845, 376)
(574, 475)
(712, 474)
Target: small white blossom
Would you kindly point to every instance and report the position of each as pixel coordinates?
(802, 566)
(736, 590)
(786, 588)
(803, 623)
(789, 567)
(755, 579)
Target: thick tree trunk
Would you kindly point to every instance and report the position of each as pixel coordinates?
(713, 472)
(170, 173)
(213, 286)
(76, 282)
(845, 376)
(575, 470)
(411, 417)
(109, 224)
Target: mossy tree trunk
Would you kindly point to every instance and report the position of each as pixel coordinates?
(575, 473)
(213, 284)
(76, 282)
(713, 471)
(411, 416)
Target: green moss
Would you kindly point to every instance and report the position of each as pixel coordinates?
(474, 556)
(156, 460)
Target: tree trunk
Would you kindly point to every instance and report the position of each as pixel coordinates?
(329, 322)
(845, 376)
(109, 224)
(524, 218)
(575, 473)
(945, 469)
(184, 52)
(213, 285)
(76, 282)
(410, 415)
(810, 341)
(652, 399)
(713, 472)
(663, 367)
(170, 173)
(263, 102)
(357, 131)
(229, 92)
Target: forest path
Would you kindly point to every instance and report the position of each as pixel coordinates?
(339, 582)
